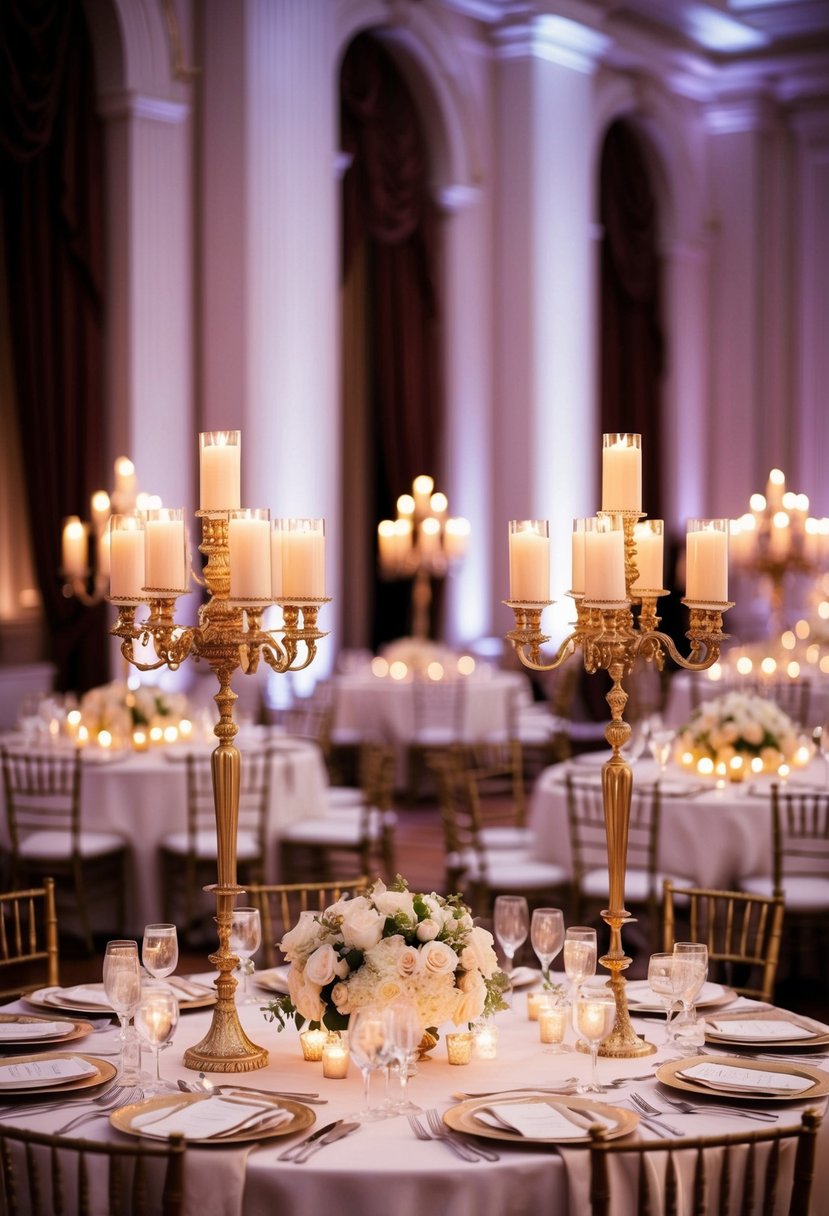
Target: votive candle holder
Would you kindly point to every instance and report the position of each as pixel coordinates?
(485, 1042)
(312, 1043)
(334, 1058)
(459, 1046)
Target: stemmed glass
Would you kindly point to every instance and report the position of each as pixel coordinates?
(594, 1016)
(547, 937)
(663, 978)
(369, 1042)
(690, 969)
(511, 923)
(580, 953)
(405, 1033)
(159, 950)
(245, 940)
(122, 985)
(660, 742)
(156, 1017)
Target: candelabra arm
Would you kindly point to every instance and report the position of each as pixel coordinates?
(527, 638)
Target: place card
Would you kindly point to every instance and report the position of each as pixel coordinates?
(761, 1029)
(54, 1070)
(11, 1031)
(726, 1077)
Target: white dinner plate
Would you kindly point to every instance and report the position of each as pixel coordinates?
(31, 1030)
(642, 999)
(124, 1119)
(91, 1071)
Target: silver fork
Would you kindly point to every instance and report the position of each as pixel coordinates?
(45, 1106)
(653, 1115)
(458, 1148)
(688, 1108)
(440, 1129)
(123, 1097)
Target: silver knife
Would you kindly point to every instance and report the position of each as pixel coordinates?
(336, 1133)
(297, 1148)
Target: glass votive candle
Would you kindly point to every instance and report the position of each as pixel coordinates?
(334, 1058)
(313, 1044)
(459, 1046)
(552, 1023)
(536, 1002)
(485, 1042)
(140, 740)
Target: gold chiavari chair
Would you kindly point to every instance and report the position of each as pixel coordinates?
(281, 905)
(29, 957)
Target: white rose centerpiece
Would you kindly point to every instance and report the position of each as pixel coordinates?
(738, 724)
(388, 943)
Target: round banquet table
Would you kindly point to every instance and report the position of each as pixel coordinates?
(710, 836)
(143, 796)
(382, 1167)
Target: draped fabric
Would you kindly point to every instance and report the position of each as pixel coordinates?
(631, 324)
(51, 176)
(388, 210)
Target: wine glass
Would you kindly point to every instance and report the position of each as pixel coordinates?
(405, 1033)
(156, 1017)
(122, 985)
(547, 937)
(369, 1042)
(594, 1016)
(159, 950)
(661, 742)
(511, 923)
(690, 973)
(662, 979)
(580, 953)
(245, 940)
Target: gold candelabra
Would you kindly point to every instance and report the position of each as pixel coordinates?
(612, 634)
(228, 637)
(421, 544)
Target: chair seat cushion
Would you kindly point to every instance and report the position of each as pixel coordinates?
(206, 846)
(58, 845)
(340, 796)
(508, 868)
(639, 887)
(807, 894)
(505, 837)
(327, 830)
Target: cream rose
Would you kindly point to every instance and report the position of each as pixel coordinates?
(321, 966)
(303, 939)
(437, 958)
(472, 997)
(479, 952)
(362, 927)
(408, 961)
(428, 930)
(305, 996)
(390, 903)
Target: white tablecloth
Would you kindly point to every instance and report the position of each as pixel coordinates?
(681, 701)
(382, 1168)
(713, 836)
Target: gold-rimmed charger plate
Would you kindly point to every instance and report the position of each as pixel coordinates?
(104, 1071)
(667, 1074)
(61, 998)
(714, 1037)
(71, 1030)
(122, 1119)
(712, 996)
(461, 1118)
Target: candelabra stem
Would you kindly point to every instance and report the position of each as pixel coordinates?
(421, 603)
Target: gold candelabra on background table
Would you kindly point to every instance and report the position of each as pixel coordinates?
(617, 624)
(421, 544)
(252, 562)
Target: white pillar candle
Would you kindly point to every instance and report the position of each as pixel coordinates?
(429, 535)
(529, 560)
(422, 488)
(220, 470)
(303, 560)
(277, 532)
(455, 538)
(706, 560)
(103, 553)
(386, 544)
(126, 557)
(249, 549)
(402, 540)
(99, 506)
(74, 549)
(604, 562)
(126, 485)
(649, 555)
(577, 557)
(165, 565)
(621, 473)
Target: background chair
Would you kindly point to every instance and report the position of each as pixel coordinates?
(189, 858)
(40, 1173)
(44, 810)
(353, 837)
(438, 715)
(742, 933)
(28, 940)
(281, 905)
(687, 1189)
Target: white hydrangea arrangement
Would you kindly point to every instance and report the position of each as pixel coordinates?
(373, 948)
(739, 723)
(117, 708)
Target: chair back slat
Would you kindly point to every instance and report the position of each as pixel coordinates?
(800, 834)
(281, 905)
(28, 940)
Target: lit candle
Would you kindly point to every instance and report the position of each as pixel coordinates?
(126, 557)
(277, 532)
(459, 1047)
(536, 1002)
(485, 1042)
(707, 561)
(334, 1058)
(74, 547)
(422, 488)
(621, 473)
(649, 555)
(303, 560)
(455, 538)
(591, 1017)
(386, 544)
(165, 563)
(775, 488)
(126, 484)
(313, 1044)
(529, 560)
(429, 533)
(103, 553)
(577, 552)
(552, 1024)
(249, 549)
(99, 507)
(604, 560)
(220, 470)
(140, 742)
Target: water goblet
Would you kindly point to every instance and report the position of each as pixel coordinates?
(369, 1042)
(122, 985)
(546, 937)
(661, 742)
(159, 950)
(405, 1034)
(690, 973)
(663, 978)
(156, 1017)
(580, 953)
(245, 940)
(594, 1016)
(511, 924)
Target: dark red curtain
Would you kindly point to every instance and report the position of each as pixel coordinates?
(631, 323)
(51, 176)
(387, 206)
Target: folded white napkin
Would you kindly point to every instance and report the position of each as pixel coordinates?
(87, 994)
(731, 1079)
(520, 976)
(54, 1070)
(761, 1029)
(274, 979)
(11, 1031)
(209, 1118)
(541, 1120)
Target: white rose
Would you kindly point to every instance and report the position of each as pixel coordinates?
(437, 958)
(753, 733)
(408, 961)
(303, 939)
(339, 997)
(480, 952)
(305, 996)
(362, 927)
(321, 966)
(428, 930)
(392, 902)
(473, 997)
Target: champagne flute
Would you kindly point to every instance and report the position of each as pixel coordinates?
(690, 973)
(245, 940)
(594, 1016)
(156, 1017)
(511, 922)
(405, 1033)
(547, 938)
(122, 985)
(580, 953)
(369, 1042)
(663, 978)
(159, 950)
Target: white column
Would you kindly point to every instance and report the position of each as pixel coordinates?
(545, 377)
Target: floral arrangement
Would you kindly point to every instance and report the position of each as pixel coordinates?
(373, 948)
(118, 709)
(418, 653)
(739, 723)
